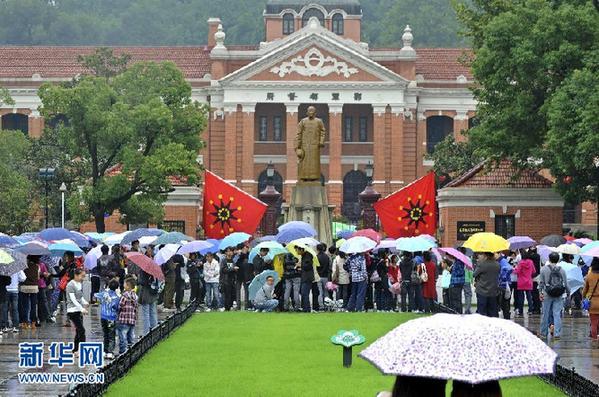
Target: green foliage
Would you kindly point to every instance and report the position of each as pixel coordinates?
(103, 63)
(454, 158)
(16, 193)
(5, 98)
(125, 138)
(183, 22)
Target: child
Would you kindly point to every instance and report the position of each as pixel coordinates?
(127, 315)
(445, 281)
(109, 301)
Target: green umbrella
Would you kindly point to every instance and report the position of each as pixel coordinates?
(171, 238)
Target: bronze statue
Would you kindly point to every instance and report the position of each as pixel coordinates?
(309, 140)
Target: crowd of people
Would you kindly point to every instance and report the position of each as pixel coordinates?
(378, 280)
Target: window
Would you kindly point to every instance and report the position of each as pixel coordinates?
(505, 225)
(16, 122)
(363, 129)
(263, 129)
(173, 226)
(472, 122)
(347, 129)
(437, 129)
(572, 212)
(338, 24)
(312, 12)
(277, 123)
(288, 24)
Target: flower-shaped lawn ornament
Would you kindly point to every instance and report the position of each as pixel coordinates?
(347, 339)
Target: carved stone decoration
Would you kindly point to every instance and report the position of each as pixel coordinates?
(314, 63)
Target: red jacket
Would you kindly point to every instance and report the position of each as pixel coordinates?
(525, 271)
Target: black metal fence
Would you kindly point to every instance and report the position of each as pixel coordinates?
(124, 362)
(571, 383)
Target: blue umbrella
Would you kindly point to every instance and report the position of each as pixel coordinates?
(141, 232)
(269, 237)
(299, 225)
(589, 246)
(169, 238)
(82, 240)
(59, 249)
(194, 246)
(259, 281)
(7, 241)
(233, 240)
(274, 249)
(214, 249)
(287, 236)
(60, 233)
(414, 244)
(574, 276)
(33, 248)
(345, 234)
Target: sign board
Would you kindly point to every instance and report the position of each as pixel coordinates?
(468, 228)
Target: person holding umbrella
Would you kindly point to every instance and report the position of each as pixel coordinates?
(359, 278)
(264, 300)
(485, 277)
(245, 274)
(228, 273)
(292, 275)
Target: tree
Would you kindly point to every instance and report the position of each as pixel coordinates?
(453, 158)
(127, 136)
(5, 98)
(17, 188)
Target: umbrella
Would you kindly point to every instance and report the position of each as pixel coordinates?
(288, 235)
(340, 242)
(7, 241)
(428, 237)
(233, 240)
(60, 233)
(274, 249)
(146, 264)
(458, 255)
(82, 240)
(589, 246)
(33, 248)
(544, 252)
(487, 242)
(171, 238)
(309, 241)
(58, 249)
(388, 243)
(194, 246)
(520, 242)
(582, 241)
(214, 249)
(91, 258)
(166, 253)
(147, 240)
(414, 244)
(141, 232)
(482, 349)
(292, 248)
(370, 233)
(115, 238)
(299, 225)
(344, 234)
(12, 262)
(259, 281)
(553, 240)
(593, 252)
(574, 276)
(269, 237)
(570, 249)
(358, 244)
(98, 236)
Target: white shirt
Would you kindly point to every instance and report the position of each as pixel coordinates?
(212, 271)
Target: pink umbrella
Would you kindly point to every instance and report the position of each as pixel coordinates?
(146, 264)
(387, 243)
(458, 255)
(371, 234)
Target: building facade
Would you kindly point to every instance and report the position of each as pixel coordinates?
(385, 106)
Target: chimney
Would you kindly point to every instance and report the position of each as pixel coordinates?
(212, 28)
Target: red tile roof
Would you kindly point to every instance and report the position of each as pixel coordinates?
(61, 62)
(23, 62)
(501, 176)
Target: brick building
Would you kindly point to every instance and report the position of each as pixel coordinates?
(386, 106)
(500, 200)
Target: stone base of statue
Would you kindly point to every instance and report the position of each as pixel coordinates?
(309, 204)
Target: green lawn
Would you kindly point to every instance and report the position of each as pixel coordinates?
(260, 354)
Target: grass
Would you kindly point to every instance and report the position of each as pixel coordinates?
(261, 354)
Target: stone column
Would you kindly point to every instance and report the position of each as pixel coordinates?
(291, 166)
(230, 143)
(460, 123)
(248, 180)
(420, 144)
(334, 182)
(397, 137)
(379, 150)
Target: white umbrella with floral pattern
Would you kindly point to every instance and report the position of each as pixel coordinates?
(469, 348)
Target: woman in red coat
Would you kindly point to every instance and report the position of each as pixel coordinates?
(429, 287)
(525, 271)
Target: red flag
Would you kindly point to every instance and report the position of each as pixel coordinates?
(410, 211)
(228, 209)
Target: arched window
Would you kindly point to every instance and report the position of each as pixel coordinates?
(288, 23)
(338, 24)
(16, 122)
(354, 183)
(312, 12)
(437, 128)
(473, 122)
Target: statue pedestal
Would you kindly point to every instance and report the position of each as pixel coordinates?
(309, 204)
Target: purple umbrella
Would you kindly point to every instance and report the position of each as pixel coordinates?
(7, 241)
(458, 255)
(345, 234)
(288, 235)
(299, 225)
(544, 252)
(521, 242)
(582, 241)
(388, 243)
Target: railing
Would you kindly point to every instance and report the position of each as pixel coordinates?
(124, 362)
(571, 383)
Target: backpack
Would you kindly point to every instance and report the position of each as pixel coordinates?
(556, 286)
(423, 274)
(414, 276)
